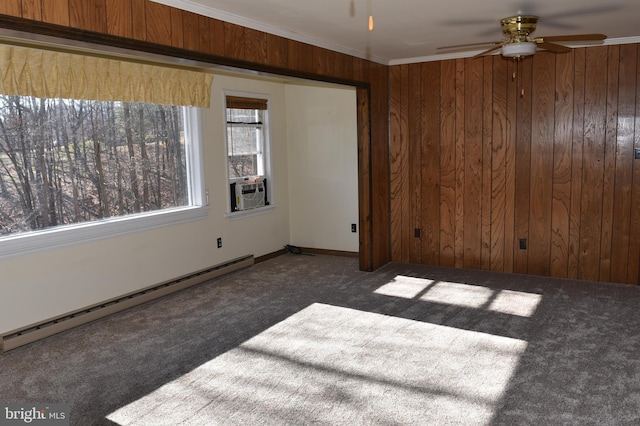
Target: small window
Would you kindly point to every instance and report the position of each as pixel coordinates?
(247, 149)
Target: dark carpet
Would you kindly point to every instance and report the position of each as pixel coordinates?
(301, 340)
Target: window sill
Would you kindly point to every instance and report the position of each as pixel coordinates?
(252, 212)
(15, 245)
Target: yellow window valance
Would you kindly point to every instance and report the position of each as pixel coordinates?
(50, 74)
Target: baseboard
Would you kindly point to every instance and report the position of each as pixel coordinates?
(51, 326)
(341, 253)
(269, 256)
(330, 252)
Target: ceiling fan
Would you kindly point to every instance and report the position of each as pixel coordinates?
(519, 42)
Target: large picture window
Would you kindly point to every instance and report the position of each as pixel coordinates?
(94, 146)
(65, 161)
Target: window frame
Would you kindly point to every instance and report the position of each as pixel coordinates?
(266, 155)
(73, 234)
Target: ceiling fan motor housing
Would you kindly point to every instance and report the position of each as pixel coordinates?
(518, 28)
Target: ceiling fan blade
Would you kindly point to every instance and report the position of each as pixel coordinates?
(469, 45)
(552, 47)
(574, 37)
(486, 52)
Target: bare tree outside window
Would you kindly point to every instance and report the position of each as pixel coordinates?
(65, 161)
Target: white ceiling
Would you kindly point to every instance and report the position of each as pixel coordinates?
(410, 30)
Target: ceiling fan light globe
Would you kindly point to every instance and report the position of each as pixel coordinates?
(517, 50)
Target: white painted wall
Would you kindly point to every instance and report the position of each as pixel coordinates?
(323, 167)
(318, 154)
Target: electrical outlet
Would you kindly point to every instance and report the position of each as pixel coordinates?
(354, 228)
(637, 153)
(219, 242)
(523, 244)
(417, 233)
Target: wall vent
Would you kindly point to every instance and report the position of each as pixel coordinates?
(31, 333)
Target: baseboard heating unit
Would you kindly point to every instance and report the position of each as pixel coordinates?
(33, 332)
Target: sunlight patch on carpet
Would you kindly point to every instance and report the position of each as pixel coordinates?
(335, 365)
(464, 295)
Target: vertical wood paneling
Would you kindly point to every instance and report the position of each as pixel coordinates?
(524, 76)
(55, 11)
(551, 163)
(359, 67)
(332, 61)
(32, 9)
(415, 164)
(11, 7)
(344, 66)
(473, 164)
(335, 62)
(204, 32)
(624, 163)
(119, 18)
(542, 127)
(364, 180)
(487, 145)
(496, 162)
(307, 58)
(380, 167)
(406, 172)
(400, 184)
(138, 18)
(88, 15)
(593, 162)
(191, 28)
(158, 23)
(177, 32)
(633, 264)
(562, 165)
(216, 37)
(292, 57)
(319, 60)
(510, 167)
(460, 155)
(573, 258)
(613, 64)
(299, 58)
(255, 45)
(431, 163)
(447, 162)
(398, 154)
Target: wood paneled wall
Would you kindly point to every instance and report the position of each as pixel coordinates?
(483, 152)
(220, 42)
(486, 152)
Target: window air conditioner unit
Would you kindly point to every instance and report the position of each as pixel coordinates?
(250, 195)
